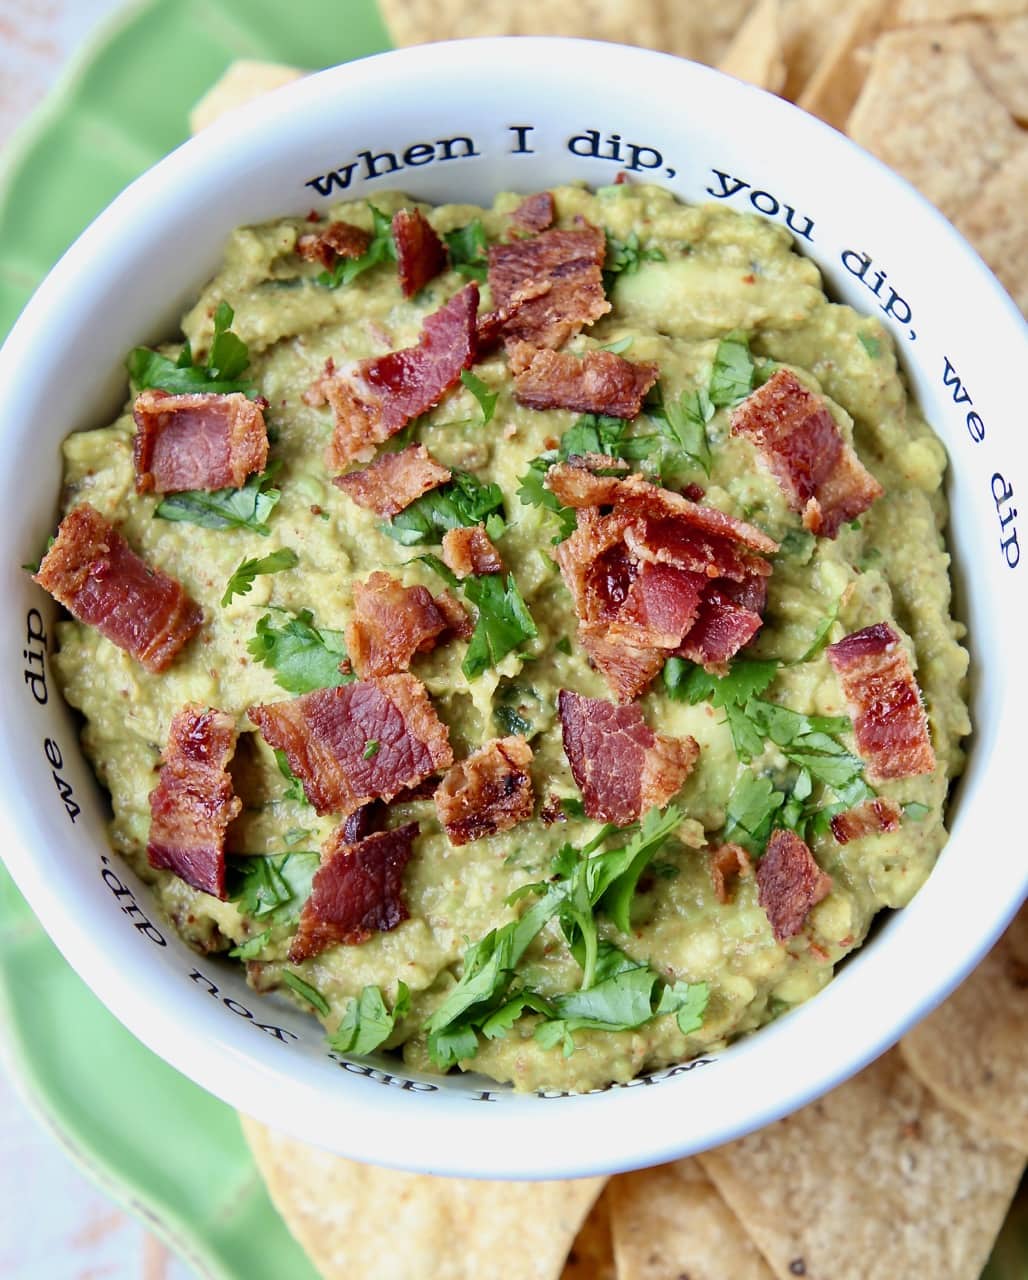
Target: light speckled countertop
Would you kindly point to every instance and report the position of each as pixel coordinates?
(54, 1224)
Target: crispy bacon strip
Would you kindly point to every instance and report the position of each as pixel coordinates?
(789, 883)
(491, 323)
(194, 801)
(575, 483)
(534, 213)
(659, 608)
(202, 441)
(565, 267)
(598, 382)
(100, 580)
(420, 254)
(727, 862)
(800, 442)
(337, 240)
(383, 394)
(469, 551)
(889, 722)
(326, 734)
(659, 574)
(866, 819)
(394, 480)
(458, 620)
(390, 624)
(488, 792)
(620, 765)
(356, 892)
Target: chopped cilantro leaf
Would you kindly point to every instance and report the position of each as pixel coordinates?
(511, 721)
(371, 749)
(870, 344)
(271, 888)
(244, 508)
(294, 791)
(624, 257)
(480, 390)
(227, 360)
(252, 947)
(303, 657)
(242, 580)
(367, 1023)
(464, 500)
(732, 376)
(686, 682)
(752, 805)
(304, 989)
(915, 810)
(797, 544)
(503, 621)
(563, 645)
(469, 250)
(619, 347)
(534, 493)
(821, 634)
(381, 249)
(684, 423)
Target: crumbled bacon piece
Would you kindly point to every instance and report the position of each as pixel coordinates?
(620, 765)
(458, 620)
(394, 480)
(800, 441)
(384, 393)
(194, 801)
(575, 483)
(658, 574)
(789, 883)
(722, 626)
(325, 735)
(534, 213)
(727, 862)
(100, 580)
(889, 722)
(390, 624)
(356, 892)
(597, 382)
(337, 240)
(569, 263)
(628, 669)
(491, 323)
(203, 441)
(659, 608)
(866, 819)
(469, 551)
(420, 254)
(488, 792)
(552, 811)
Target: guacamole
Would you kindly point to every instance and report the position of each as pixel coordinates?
(717, 301)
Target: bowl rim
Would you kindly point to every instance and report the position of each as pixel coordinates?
(218, 1063)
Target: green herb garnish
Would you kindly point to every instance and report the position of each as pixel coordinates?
(303, 657)
(244, 508)
(367, 1023)
(371, 749)
(294, 788)
(503, 621)
(463, 501)
(272, 888)
(242, 580)
(469, 250)
(870, 344)
(732, 376)
(534, 493)
(480, 390)
(227, 360)
(381, 249)
(624, 257)
(311, 994)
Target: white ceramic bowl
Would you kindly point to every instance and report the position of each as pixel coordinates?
(520, 103)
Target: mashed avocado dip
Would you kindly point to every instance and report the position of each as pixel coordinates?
(709, 296)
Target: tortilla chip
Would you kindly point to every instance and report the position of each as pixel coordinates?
(240, 83)
(994, 222)
(910, 11)
(755, 55)
(835, 85)
(972, 1050)
(925, 111)
(592, 1254)
(875, 1181)
(692, 31)
(809, 28)
(357, 1220)
(671, 1222)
